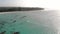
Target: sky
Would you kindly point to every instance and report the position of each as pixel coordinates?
(49, 4)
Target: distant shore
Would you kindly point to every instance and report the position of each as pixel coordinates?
(8, 9)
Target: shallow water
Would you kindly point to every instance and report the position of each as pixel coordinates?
(30, 22)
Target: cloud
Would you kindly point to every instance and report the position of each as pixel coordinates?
(8, 2)
(52, 4)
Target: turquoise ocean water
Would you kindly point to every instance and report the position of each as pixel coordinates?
(32, 22)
